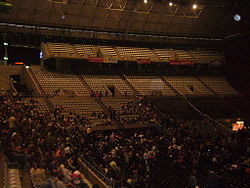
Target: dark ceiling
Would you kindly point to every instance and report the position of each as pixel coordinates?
(212, 18)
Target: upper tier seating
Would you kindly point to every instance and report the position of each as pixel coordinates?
(165, 54)
(85, 50)
(219, 85)
(187, 85)
(183, 54)
(102, 82)
(52, 81)
(148, 85)
(130, 53)
(60, 48)
(207, 56)
(108, 50)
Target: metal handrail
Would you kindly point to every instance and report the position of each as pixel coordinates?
(33, 80)
(93, 166)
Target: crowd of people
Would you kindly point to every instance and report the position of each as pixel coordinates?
(52, 143)
(40, 140)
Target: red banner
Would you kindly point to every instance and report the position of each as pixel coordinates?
(143, 61)
(180, 62)
(102, 60)
(96, 59)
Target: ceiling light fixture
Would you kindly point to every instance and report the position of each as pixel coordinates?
(195, 6)
(237, 17)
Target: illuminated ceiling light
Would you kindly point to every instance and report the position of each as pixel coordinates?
(237, 17)
(63, 16)
(195, 6)
(145, 1)
(170, 4)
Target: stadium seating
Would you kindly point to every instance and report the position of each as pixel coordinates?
(165, 54)
(116, 103)
(145, 85)
(101, 83)
(40, 104)
(202, 56)
(150, 85)
(51, 81)
(188, 85)
(60, 49)
(78, 105)
(85, 50)
(183, 54)
(12, 176)
(220, 85)
(131, 53)
(108, 51)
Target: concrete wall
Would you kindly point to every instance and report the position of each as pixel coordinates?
(6, 72)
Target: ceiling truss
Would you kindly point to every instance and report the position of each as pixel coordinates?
(211, 19)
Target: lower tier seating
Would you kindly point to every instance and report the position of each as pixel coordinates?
(116, 103)
(82, 105)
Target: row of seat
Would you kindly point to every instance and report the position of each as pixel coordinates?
(12, 178)
(132, 53)
(52, 81)
(187, 85)
(116, 103)
(40, 104)
(145, 85)
(220, 85)
(85, 106)
(150, 85)
(102, 83)
(207, 57)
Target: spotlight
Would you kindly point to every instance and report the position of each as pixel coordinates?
(237, 17)
(195, 6)
(27, 67)
(170, 4)
(5, 44)
(145, 1)
(6, 58)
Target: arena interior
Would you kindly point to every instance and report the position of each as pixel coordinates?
(124, 94)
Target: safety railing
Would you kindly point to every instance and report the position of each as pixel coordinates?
(101, 174)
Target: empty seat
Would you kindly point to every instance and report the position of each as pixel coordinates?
(52, 81)
(220, 85)
(102, 82)
(188, 85)
(85, 50)
(78, 105)
(148, 85)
